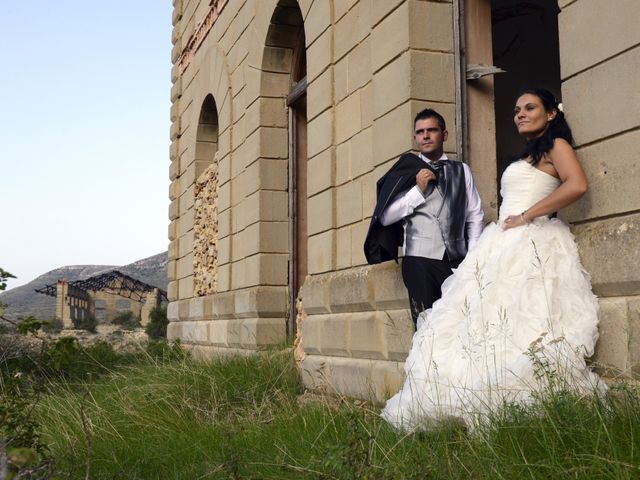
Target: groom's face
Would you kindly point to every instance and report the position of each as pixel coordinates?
(430, 138)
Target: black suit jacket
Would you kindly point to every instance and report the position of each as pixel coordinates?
(382, 242)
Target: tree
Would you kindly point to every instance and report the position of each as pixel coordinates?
(4, 276)
(157, 326)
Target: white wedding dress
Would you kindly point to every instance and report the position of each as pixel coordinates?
(517, 318)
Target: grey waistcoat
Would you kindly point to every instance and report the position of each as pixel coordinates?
(437, 226)
(423, 233)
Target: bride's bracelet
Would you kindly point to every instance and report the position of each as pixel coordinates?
(524, 220)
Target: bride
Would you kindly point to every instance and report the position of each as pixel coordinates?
(518, 315)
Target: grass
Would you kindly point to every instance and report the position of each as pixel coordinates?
(248, 418)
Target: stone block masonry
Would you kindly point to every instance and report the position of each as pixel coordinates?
(370, 66)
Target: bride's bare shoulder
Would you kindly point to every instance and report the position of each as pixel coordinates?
(560, 146)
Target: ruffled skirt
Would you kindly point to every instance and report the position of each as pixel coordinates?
(517, 317)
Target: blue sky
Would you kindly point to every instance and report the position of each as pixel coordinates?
(84, 132)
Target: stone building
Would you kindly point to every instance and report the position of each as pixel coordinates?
(285, 113)
(103, 297)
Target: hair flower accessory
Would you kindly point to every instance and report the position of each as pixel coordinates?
(560, 107)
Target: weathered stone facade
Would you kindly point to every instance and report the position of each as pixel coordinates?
(77, 304)
(368, 67)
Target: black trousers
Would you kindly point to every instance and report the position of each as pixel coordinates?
(423, 278)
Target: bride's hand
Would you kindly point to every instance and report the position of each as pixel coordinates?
(513, 221)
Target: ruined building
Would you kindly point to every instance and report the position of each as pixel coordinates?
(285, 113)
(103, 297)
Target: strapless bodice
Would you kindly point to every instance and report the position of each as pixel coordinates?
(522, 186)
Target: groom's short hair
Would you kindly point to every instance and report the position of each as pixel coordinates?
(429, 113)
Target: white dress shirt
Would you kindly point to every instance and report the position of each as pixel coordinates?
(407, 201)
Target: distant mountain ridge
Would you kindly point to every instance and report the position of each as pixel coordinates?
(24, 301)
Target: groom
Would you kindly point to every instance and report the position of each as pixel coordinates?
(430, 204)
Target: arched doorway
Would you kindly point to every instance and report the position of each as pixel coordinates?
(297, 103)
(286, 43)
(521, 38)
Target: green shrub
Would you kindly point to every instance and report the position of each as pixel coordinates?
(157, 326)
(36, 365)
(27, 456)
(54, 325)
(18, 427)
(127, 320)
(102, 358)
(163, 350)
(63, 355)
(4, 276)
(88, 323)
(68, 359)
(31, 325)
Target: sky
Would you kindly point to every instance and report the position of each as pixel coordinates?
(84, 133)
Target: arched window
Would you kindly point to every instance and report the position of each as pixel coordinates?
(207, 135)
(205, 242)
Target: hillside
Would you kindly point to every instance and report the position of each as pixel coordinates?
(23, 300)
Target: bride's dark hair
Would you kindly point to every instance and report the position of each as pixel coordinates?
(536, 148)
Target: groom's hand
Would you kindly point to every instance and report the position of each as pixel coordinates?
(423, 177)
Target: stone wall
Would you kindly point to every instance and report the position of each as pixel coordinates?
(114, 304)
(356, 331)
(151, 300)
(220, 54)
(386, 61)
(357, 127)
(371, 66)
(205, 229)
(600, 91)
(73, 303)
